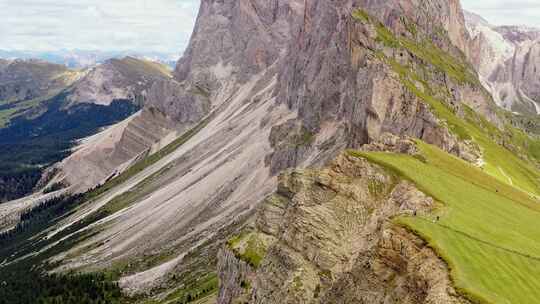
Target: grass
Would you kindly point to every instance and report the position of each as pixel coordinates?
(421, 48)
(6, 115)
(196, 291)
(500, 162)
(248, 247)
(487, 231)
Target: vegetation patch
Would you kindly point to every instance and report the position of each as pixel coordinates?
(27, 281)
(421, 48)
(376, 188)
(249, 247)
(195, 291)
(487, 233)
(509, 155)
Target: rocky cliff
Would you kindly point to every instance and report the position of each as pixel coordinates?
(327, 236)
(273, 85)
(270, 85)
(506, 58)
(368, 58)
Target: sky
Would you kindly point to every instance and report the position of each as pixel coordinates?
(154, 25)
(106, 25)
(509, 12)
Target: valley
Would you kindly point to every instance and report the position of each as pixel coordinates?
(300, 152)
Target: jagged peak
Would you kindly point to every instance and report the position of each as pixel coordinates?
(248, 35)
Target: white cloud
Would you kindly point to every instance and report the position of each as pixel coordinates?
(499, 12)
(140, 25)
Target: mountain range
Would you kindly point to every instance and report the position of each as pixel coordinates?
(507, 59)
(46, 107)
(300, 152)
(80, 59)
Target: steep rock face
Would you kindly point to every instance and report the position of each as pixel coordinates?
(327, 236)
(507, 60)
(232, 41)
(340, 77)
(246, 36)
(431, 16)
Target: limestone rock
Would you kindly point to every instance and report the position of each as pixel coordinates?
(334, 241)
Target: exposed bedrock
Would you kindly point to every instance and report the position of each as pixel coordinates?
(327, 236)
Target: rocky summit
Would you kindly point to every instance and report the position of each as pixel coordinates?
(506, 58)
(302, 151)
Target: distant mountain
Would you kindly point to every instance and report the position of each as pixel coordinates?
(46, 107)
(25, 84)
(83, 58)
(508, 60)
(301, 152)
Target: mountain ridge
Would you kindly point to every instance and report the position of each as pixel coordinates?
(42, 107)
(266, 96)
(505, 58)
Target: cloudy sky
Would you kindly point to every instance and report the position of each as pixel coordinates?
(141, 25)
(506, 12)
(153, 25)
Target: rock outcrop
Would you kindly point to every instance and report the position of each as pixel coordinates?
(507, 60)
(328, 236)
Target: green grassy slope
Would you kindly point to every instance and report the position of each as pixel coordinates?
(516, 168)
(488, 230)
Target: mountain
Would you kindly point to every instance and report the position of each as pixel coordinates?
(46, 107)
(302, 152)
(26, 80)
(506, 59)
(79, 59)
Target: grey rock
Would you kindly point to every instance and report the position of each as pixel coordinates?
(507, 60)
(330, 239)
